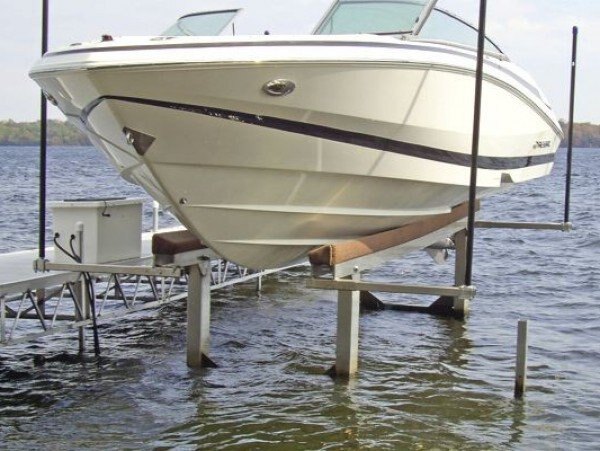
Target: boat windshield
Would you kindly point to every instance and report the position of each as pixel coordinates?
(443, 26)
(392, 17)
(373, 17)
(209, 23)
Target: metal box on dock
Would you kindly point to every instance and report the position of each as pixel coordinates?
(112, 228)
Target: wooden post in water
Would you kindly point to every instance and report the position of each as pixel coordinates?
(521, 367)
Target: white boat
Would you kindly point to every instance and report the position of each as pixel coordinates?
(266, 146)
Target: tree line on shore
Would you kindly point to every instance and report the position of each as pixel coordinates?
(28, 134)
(64, 134)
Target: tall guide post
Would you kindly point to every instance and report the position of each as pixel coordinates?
(475, 144)
(570, 132)
(43, 145)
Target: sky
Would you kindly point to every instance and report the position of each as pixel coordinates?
(536, 34)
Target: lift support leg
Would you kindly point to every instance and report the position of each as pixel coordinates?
(198, 315)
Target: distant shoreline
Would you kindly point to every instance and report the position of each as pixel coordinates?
(60, 133)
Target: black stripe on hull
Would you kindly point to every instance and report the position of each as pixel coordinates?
(338, 135)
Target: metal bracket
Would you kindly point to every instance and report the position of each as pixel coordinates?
(461, 292)
(163, 271)
(39, 265)
(204, 265)
(560, 226)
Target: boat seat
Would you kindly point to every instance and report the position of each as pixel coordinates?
(180, 247)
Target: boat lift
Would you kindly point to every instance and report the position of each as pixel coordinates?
(335, 267)
(340, 267)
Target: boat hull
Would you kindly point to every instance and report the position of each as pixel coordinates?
(358, 146)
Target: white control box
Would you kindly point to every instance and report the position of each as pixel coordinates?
(112, 229)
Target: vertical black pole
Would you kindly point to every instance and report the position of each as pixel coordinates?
(570, 136)
(475, 144)
(43, 144)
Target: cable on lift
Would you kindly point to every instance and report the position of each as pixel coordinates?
(89, 286)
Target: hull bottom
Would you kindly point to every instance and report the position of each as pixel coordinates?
(264, 218)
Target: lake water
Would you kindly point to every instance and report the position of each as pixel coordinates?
(424, 382)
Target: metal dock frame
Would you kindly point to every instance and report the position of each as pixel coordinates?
(197, 265)
(40, 299)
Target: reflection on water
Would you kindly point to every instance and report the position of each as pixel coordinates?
(518, 422)
(458, 342)
(425, 382)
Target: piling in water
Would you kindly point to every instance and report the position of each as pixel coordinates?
(521, 368)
